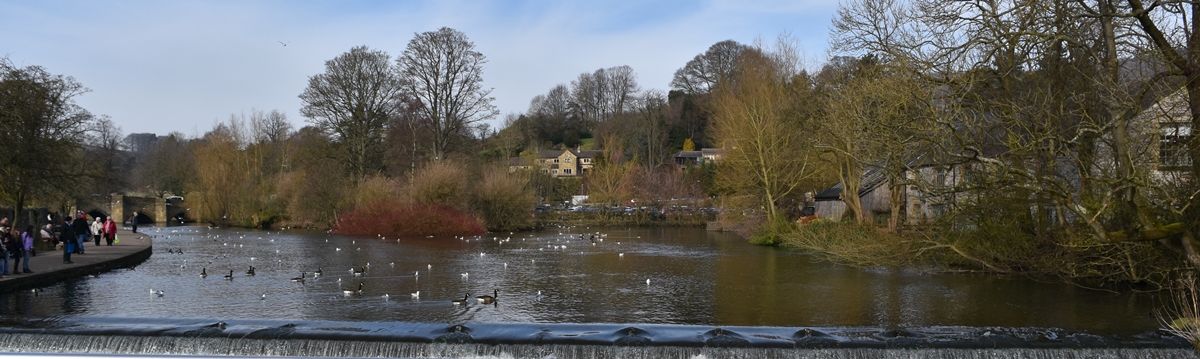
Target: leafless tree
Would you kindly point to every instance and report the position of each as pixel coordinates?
(353, 100)
(705, 71)
(443, 71)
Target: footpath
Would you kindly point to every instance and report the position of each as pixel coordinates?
(48, 267)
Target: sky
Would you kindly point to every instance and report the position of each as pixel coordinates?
(164, 66)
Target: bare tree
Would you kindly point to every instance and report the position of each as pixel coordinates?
(353, 100)
(702, 74)
(443, 71)
(42, 129)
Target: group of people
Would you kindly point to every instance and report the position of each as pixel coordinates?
(75, 232)
(17, 247)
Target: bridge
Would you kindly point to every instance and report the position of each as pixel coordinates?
(121, 207)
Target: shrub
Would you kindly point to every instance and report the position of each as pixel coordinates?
(504, 201)
(398, 218)
(442, 182)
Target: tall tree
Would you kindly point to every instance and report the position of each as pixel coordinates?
(754, 121)
(443, 71)
(702, 74)
(42, 130)
(353, 100)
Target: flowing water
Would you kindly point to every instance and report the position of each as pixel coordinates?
(647, 279)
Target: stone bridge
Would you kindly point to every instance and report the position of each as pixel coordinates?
(121, 207)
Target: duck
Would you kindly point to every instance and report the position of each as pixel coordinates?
(386, 296)
(462, 301)
(203, 272)
(416, 295)
(230, 275)
(353, 292)
(159, 293)
(489, 299)
(300, 278)
(250, 272)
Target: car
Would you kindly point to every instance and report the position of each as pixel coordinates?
(174, 198)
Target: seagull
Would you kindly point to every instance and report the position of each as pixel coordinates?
(416, 295)
(464, 275)
(284, 43)
(263, 297)
(647, 281)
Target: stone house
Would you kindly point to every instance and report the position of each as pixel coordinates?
(560, 163)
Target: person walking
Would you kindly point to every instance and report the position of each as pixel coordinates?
(67, 237)
(82, 230)
(26, 249)
(133, 222)
(110, 231)
(97, 230)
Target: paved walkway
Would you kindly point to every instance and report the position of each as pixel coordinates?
(48, 267)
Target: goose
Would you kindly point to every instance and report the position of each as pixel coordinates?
(353, 292)
(318, 272)
(489, 299)
(385, 296)
(203, 272)
(250, 272)
(416, 295)
(300, 278)
(230, 275)
(360, 271)
(462, 301)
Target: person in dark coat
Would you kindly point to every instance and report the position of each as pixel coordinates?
(82, 232)
(67, 236)
(133, 222)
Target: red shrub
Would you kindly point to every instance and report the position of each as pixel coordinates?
(396, 218)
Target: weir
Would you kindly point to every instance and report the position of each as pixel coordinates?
(134, 345)
(156, 336)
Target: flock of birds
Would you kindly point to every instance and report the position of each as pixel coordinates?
(558, 244)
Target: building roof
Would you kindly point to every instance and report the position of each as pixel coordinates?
(516, 161)
(872, 178)
(712, 151)
(549, 153)
(689, 154)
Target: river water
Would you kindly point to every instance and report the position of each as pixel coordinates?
(695, 277)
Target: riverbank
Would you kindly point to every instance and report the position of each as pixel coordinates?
(48, 267)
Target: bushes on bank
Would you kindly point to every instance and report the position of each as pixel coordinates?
(394, 217)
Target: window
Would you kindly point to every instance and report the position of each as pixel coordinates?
(555, 160)
(566, 171)
(587, 160)
(939, 177)
(553, 172)
(1173, 145)
(567, 160)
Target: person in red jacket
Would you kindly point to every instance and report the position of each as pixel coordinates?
(110, 231)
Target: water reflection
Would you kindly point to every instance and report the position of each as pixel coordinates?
(696, 277)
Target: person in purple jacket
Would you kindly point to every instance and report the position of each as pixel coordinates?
(26, 248)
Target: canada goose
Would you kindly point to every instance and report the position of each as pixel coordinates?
(416, 295)
(358, 272)
(230, 275)
(203, 272)
(300, 278)
(353, 292)
(489, 299)
(250, 271)
(462, 301)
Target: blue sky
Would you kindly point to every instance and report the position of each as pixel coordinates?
(162, 66)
